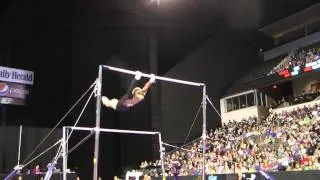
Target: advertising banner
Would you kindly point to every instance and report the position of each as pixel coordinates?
(14, 90)
(15, 85)
(16, 75)
(13, 93)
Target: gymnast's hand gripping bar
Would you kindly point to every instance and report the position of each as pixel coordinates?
(156, 77)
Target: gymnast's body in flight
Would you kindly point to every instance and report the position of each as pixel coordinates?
(133, 96)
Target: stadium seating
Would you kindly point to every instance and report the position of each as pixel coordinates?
(284, 141)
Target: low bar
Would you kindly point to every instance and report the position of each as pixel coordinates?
(157, 77)
(113, 130)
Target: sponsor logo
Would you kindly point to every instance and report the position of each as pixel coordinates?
(13, 90)
(4, 89)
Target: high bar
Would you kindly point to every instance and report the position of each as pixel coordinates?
(112, 130)
(157, 77)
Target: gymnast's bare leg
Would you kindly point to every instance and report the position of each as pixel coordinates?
(110, 103)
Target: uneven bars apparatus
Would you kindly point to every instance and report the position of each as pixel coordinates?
(66, 135)
(98, 111)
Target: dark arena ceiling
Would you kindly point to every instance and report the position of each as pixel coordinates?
(183, 25)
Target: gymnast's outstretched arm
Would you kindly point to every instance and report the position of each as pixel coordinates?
(113, 103)
(148, 84)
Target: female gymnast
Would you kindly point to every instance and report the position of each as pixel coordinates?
(133, 96)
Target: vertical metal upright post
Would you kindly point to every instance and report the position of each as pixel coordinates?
(161, 155)
(64, 153)
(67, 146)
(19, 148)
(204, 131)
(97, 133)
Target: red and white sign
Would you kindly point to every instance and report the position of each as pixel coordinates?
(13, 90)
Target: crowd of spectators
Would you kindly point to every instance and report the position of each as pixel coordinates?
(306, 97)
(296, 58)
(286, 141)
(294, 100)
